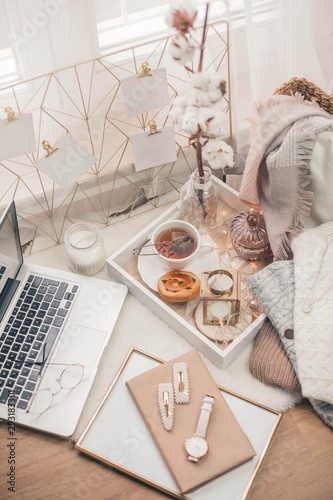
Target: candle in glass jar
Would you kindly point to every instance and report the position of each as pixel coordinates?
(84, 248)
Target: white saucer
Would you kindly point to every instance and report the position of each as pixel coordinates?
(151, 268)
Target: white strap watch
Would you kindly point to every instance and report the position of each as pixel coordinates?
(197, 446)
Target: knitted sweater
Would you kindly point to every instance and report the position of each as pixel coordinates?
(313, 325)
(274, 288)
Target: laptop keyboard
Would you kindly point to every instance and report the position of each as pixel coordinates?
(2, 271)
(30, 333)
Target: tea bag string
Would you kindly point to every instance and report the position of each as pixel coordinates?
(308, 302)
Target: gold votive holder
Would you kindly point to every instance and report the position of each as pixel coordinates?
(220, 293)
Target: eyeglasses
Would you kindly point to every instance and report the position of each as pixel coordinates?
(42, 399)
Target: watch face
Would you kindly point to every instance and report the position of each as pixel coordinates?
(196, 446)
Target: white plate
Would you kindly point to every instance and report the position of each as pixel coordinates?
(151, 268)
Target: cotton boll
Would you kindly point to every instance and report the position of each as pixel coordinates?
(182, 50)
(180, 102)
(217, 81)
(178, 109)
(214, 81)
(181, 16)
(229, 152)
(185, 9)
(214, 95)
(222, 118)
(218, 107)
(203, 99)
(168, 18)
(217, 125)
(192, 97)
(215, 162)
(200, 81)
(214, 129)
(199, 98)
(189, 124)
(188, 6)
(212, 146)
(176, 113)
(218, 153)
(205, 115)
(191, 110)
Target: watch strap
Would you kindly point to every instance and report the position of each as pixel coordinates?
(206, 410)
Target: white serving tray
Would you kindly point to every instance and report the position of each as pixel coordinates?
(119, 261)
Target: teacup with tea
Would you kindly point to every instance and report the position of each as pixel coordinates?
(177, 243)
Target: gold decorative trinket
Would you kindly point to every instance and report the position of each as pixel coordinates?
(248, 235)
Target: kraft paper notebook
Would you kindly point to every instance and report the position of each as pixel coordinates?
(228, 444)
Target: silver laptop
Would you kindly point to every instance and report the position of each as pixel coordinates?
(54, 328)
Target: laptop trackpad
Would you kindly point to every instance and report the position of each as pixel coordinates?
(80, 344)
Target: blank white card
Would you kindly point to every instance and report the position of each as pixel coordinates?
(142, 94)
(17, 137)
(151, 150)
(67, 163)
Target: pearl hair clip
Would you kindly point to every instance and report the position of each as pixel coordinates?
(166, 404)
(181, 383)
(170, 393)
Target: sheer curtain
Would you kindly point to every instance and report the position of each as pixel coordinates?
(271, 41)
(49, 34)
(295, 39)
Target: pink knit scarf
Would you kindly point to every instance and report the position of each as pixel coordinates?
(276, 174)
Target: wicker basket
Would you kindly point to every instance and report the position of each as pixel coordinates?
(310, 91)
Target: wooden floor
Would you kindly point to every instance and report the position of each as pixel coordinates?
(297, 466)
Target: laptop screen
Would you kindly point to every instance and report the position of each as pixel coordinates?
(10, 248)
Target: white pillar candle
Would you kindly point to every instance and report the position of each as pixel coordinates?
(219, 309)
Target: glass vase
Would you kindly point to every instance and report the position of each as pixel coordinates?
(202, 201)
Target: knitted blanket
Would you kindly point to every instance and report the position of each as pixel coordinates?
(276, 175)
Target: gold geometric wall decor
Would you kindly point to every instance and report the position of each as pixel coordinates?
(85, 101)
